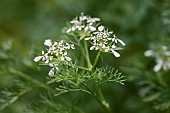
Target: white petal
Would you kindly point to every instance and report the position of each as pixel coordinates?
(68, 30)
(73, 28)
(51, 72)
(88, 38)
(92, 47)
(121, 42)
(95, 19)
(57, 68)
(92, 28)
(114, 36)
(68, 58)
(101, 28)
(113, 46)
(148, 53)
(48, 42)
(51, 65)
(38, 58)
(42, 52)
(86, 28)
(158, 66)
(115, 53)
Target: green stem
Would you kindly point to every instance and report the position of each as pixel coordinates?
(87, 56)
(84, 51)
(100, 100)
(96, 60)
(100, 94)
(83, 68)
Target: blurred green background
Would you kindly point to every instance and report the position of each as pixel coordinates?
(139, 23)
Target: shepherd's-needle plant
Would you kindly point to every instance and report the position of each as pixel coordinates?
(87, 35)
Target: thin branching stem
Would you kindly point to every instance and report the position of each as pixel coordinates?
(101, 101)
(96, 59)
(87, 55)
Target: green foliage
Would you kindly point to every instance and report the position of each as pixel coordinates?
(72, 79)
(143, 24)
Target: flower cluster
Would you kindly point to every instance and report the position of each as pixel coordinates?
(55, 54)
(85, 23)
(102, 40)
(162, 58)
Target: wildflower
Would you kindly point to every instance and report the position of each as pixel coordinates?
(162, 58)
(102, 41)
(85, 23)
(55, 54)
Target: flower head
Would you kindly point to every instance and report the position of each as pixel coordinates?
(55, 54)
(85, 23)
(102, 40)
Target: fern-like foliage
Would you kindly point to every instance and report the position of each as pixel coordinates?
(72, 79)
